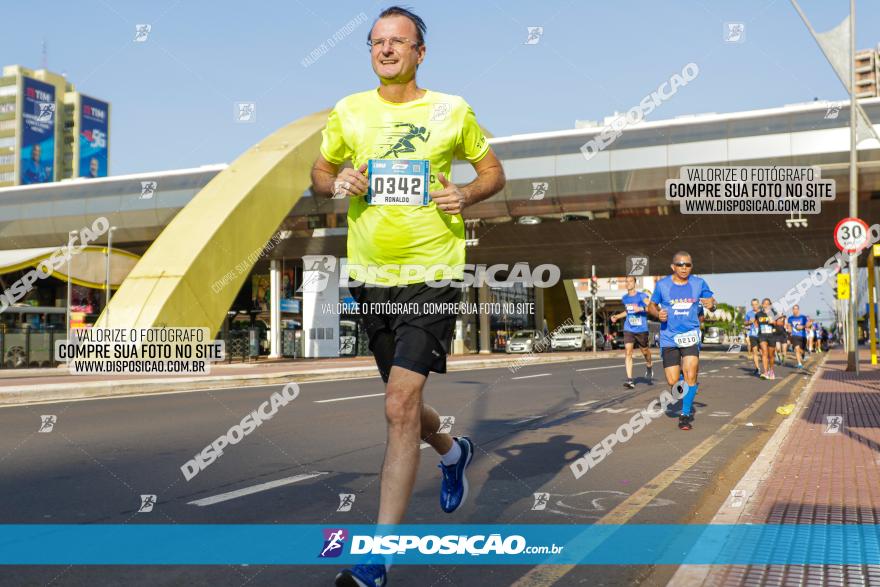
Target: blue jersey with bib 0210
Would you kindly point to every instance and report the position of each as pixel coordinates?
(682, 305)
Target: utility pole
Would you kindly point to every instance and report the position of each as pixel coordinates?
(594, 290)
(852, 355)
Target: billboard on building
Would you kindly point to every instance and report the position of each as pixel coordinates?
(94, 132)
(38, 119)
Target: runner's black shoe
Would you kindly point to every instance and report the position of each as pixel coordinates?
(629, 384)
(649, 373)
(684, 422)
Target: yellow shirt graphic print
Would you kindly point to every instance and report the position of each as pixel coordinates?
(437, 127)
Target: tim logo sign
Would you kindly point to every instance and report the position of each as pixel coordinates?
(334, 542)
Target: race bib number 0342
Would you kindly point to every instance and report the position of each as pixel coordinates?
(398, 182)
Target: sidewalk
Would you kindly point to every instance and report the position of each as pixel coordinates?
(816, 469)
(30, 385)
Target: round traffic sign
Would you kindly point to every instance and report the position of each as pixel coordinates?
(851, 235)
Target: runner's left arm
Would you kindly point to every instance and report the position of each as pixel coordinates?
(490, 180)
(707, 298)
(471, 145)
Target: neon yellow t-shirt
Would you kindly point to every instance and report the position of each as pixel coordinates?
(437, 127)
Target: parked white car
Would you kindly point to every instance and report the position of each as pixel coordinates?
(522, 341)
(574, 337)
(712, 336)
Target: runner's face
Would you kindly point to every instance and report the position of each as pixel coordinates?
(396, 64)
(681, 272)
(755, 305)
(630, 283)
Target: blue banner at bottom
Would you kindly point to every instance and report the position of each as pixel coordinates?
(480, 544)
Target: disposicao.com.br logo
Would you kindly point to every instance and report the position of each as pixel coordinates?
(430, 544)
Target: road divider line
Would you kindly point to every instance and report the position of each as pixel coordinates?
(255, 489)
(342, 399)
(524, 420)
(530, 376)
(545, 575)
(606, 367)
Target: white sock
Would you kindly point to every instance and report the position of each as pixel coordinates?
(453, 455)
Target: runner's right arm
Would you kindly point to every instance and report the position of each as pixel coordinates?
(618, 316)
(328, 180)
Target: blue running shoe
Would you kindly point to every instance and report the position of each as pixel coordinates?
(369, 575)
(454, 487)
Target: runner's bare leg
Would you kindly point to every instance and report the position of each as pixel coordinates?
(628, 361)
(407, 419)
(440, 441)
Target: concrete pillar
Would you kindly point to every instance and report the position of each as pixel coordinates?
(485, 297)
(274, 309)
(539, 309)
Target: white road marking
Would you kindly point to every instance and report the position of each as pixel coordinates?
(342, 399)
(255, 489)
(606, 367)
(524, 420)
(530, 376)
(592, 401)
(610, 410)
(713, 371)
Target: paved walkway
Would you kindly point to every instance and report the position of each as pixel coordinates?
(822, 467)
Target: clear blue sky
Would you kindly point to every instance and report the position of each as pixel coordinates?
(173, 96)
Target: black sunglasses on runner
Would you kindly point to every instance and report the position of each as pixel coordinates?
(683, 264)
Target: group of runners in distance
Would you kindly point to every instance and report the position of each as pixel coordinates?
(770, 334)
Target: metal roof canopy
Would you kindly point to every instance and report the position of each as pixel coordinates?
(87, 266)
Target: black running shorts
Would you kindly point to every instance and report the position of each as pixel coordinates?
(672, 355)
(798, 341)
(404, 326)
(638, 339)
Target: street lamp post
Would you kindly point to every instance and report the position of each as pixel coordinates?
(107, 280)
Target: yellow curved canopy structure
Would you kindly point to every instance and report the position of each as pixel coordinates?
(217, 236)
(88, 267)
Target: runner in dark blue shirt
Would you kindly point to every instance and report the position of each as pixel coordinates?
(635, 329)
(754, 346)
(798, 325)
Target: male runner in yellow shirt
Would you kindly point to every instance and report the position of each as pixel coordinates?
(400, 121)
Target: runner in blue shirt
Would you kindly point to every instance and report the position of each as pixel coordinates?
(754, 346)
(798, 325)
(676, 303)
(635, 329)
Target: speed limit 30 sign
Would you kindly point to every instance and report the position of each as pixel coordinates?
(851, 235)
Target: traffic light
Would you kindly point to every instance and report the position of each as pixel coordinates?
(594, 286)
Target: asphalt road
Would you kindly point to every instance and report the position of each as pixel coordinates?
(103, 454)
